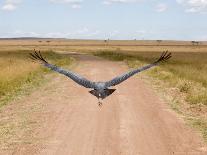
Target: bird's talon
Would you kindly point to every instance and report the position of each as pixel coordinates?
(100, 104)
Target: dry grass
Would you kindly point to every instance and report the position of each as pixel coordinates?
(18, 72)
(94, 45)
(20, 76)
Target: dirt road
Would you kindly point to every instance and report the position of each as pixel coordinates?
(132, 121)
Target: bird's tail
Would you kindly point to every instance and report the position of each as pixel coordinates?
(107, 92)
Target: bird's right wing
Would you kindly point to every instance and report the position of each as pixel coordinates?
(75, 77)
(117, 80)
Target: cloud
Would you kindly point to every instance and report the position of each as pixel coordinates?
(20, 33)
(55, 35)
(95, 33)
(84, 33)
(11, 5)
(109, 2)
(161, 7)
(66, 1)
(141, 32)
(75, 4)
(201, 38)
(194, 6)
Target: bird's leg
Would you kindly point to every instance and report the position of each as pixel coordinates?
(99, 103)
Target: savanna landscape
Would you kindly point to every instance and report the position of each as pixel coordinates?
(159, 111)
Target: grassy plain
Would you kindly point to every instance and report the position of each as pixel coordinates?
(183, 78)
(18, 73)
(131, 46)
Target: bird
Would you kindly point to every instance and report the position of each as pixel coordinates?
(101, 90)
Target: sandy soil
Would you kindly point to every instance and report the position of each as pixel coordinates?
(132, 121)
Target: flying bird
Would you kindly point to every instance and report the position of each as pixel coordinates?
(99, 89)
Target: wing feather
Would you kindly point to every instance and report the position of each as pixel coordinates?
(37, 56)
(117, 80)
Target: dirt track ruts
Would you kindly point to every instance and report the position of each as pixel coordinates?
(132, 121)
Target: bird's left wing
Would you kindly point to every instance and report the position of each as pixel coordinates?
(117, 80)
(75, 77)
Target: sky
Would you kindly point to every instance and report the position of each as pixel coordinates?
(105, 19)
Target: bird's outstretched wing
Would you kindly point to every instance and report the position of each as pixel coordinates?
(117, 80)
(36, 56)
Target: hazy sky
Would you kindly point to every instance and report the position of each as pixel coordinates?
(102, 19)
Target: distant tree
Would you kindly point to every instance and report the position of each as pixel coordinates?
(159, 41)
(195, 42)
(48, 42)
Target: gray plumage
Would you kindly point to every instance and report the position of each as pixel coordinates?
(99, 89)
